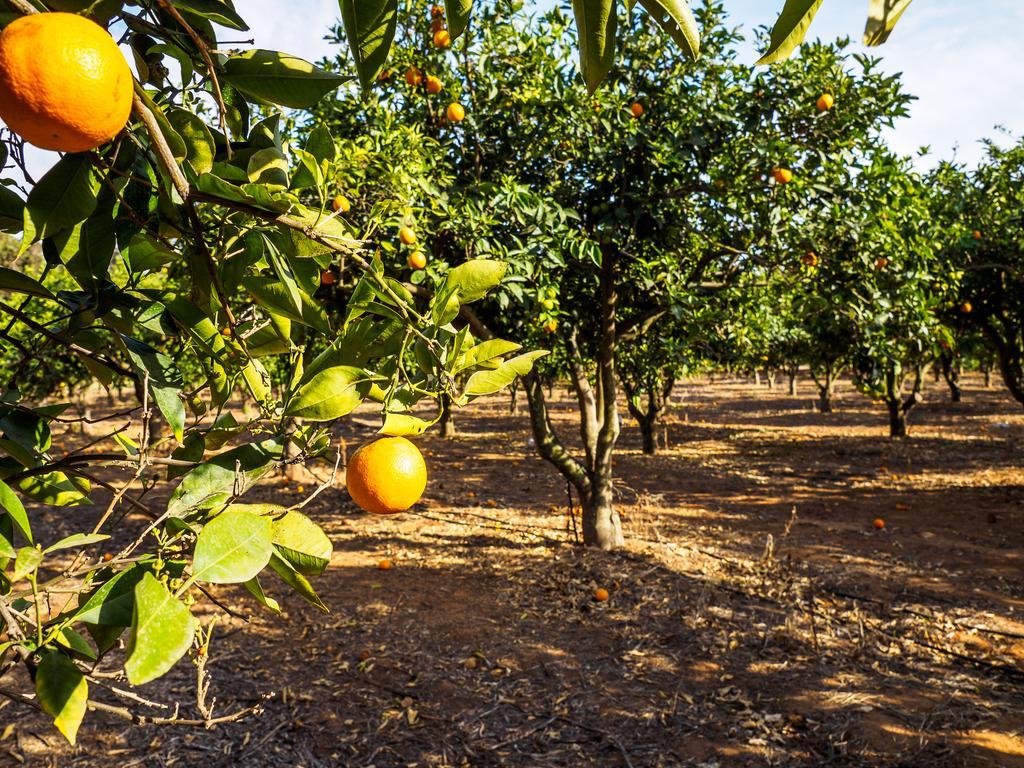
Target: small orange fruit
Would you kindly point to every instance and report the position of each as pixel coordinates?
(434, 84)
(782, 175)
(977, 234)
(107, 557)
(340, 204)
(413, 76)
(64, 84)
(456, 113)
(810, 259)
(417, 260)
(384, 565)
(825, 102)
(386, 476)
(327, 277)
(637, 109)
(966, 308)
(442, 38)
(407, 235)
(551, 326)
(601, 595)
(225, 331)
(879, 523)
(436, 11)
(881, 263)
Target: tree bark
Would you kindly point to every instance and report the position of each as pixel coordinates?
(446, 422)
(951, 373)
(792, 383)
(826, 387)
(897, 419)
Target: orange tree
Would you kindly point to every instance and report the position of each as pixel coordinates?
(979, 212)
(663, 180)
(187, 247)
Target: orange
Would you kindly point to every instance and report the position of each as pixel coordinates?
(433, 84)
(881, 262)
(810, 259)
(442, 38)
(966, 308)
(436, 11)
(64, 84)
(407, 235)
(782, 175)
(225, 331)
(385, 75)
(340, 204)
(456, 113)
(551, 326)
(601, 595)
(825, 102)
(413, 76)
(107, 557)
(879, 523)
(384, 565)
(386, 476)
(417, 260)
(977, 234)
(327, 278)
(637, 109)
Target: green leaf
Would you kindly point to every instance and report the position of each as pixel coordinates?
(162, 631)
(268, 166)
(63, 693)
(487, 382)
(12, 211)
(232, 548)
(475, 279)
(74, 642)
(19, 282)
(87, 249)
(213, 482)
(65, 196)
(55, 489)
(13, 506)
(112, 603)
(256, 590)
(370, 28)
(217, 11)
(676, 18)
(76, 540)
(26, 562)
(280, 78)
(330, 394)
(320, 144)
(457, 14)
(270, 293)
(199, 146)
(790, 29)
(165, 382)
(483, 353)
(296, 581)
(403, 425)
(302, 543)
(595, 23)
(882, 17)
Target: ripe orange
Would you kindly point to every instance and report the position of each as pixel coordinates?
(108, 556)
(810, 259)
(225, 331)
(407, 235)
(977, 234)
(637, 109)
(879, 523)
(551, 326)
(340, 204)
(434, 84)
(825, 102)
(64, 84)
(881, 262)
(442, 38)
(327, 277)
(413, 76)
(417, 260)
(782, 175)
(966, 308)
(386, 476)
(456, 113)
(436, 11)
(384, 565)
(601, 595)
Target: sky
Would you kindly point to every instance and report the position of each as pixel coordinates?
(964, 61)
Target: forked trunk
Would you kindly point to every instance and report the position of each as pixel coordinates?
(602, 527)
(951, 373)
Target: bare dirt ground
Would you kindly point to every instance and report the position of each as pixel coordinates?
(756, 618)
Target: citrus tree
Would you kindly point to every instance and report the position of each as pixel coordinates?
(979, 213)
(197, 251)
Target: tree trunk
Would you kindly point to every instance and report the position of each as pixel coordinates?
(646, 423)
(757, 376)
(988, 375)
(951, 373)
(897, 418)
(601, 524)
(826, 387)
(769, 376)
(446, 422)
(792, 384)
(513, 400)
